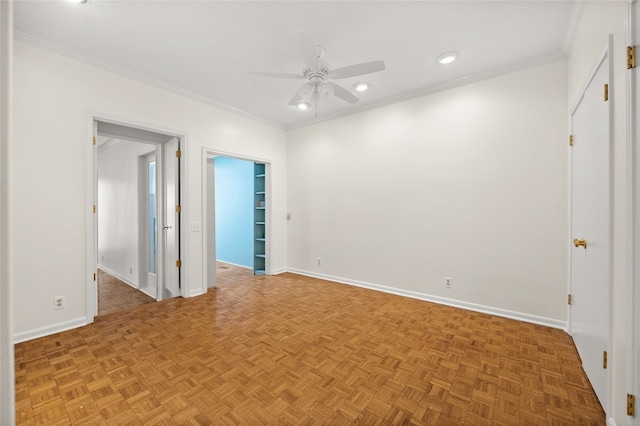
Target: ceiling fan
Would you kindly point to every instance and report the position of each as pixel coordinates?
(318, 72)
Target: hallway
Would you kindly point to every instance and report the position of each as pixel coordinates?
(115, 295)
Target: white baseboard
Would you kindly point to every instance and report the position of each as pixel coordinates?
(534, 319)
(196, 292)
(234, 264)
(49, 330)
(147, 291)
(120, 277)
(273, 272)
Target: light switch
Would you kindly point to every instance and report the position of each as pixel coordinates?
(195, 227)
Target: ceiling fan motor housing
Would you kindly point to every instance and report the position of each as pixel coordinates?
(317, 76)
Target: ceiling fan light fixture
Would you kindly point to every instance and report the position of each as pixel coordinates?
(447, 58)
(303, 106)
(361, 87)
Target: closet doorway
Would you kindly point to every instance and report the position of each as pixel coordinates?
(237, 217)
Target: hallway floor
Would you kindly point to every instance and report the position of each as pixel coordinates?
(115, 295)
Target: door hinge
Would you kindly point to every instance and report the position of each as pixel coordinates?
(606, 92)
(94, 208)
(178, 153)
(604, 360)
(568, 299)
(631, 57)
(631, 405)
(178, 263)
(178, 209)
(94, 276)
(94, 140)
(570, 140)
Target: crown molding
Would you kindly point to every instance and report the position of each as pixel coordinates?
(572, 26)
(447, 85)
(108, 66)
(428, 90)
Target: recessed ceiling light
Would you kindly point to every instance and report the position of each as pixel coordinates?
(447, 58)
(303, 106)
(361, 87)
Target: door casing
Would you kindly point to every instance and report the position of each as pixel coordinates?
(632, 287)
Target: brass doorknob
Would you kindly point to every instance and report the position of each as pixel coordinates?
(578, 243)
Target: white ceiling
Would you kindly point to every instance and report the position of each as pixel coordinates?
(205, 48)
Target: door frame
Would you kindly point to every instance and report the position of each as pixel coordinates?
(632, 249)
(208, 194)
(7, 354)
(91, 190)
(605, 55)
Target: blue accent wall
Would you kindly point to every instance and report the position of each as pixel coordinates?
(234, 196)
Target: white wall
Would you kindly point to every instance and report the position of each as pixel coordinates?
(118, 209)
(54, 98)
(7, 376)
(598, 20)
(470, 183)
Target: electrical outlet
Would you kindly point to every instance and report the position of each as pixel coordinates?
(319, 261)
(58, 302)
(447, 282)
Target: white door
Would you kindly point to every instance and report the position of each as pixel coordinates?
(590, 286)
(171, 227)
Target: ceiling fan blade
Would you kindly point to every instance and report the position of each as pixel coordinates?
(358, 69)
(301, 94)
(276, 75)
(342, 93)
(295, 100)
(309, 52)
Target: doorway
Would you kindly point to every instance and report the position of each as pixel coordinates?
(252, 256)
(136, 184)
(590, 228)
(122, 187)
(234, 214)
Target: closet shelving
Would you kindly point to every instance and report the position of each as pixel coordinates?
(259, 234)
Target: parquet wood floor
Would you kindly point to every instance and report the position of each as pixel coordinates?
(289, 349)
(115, 295)
(227, 273)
